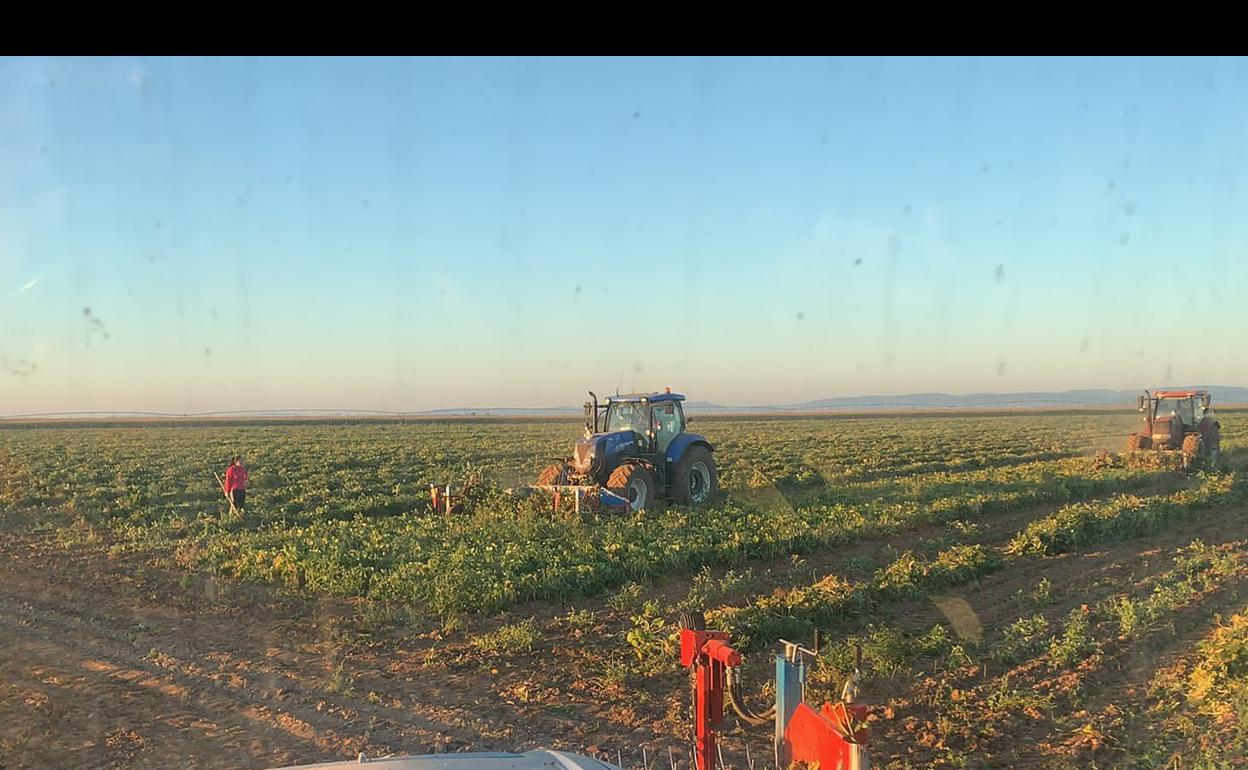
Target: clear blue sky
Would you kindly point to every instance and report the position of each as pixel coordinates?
(406, 234)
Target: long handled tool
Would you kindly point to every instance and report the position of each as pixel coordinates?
(228, 499)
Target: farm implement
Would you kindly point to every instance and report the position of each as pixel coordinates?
(834, 736)
(1179, 422)
(635, 452)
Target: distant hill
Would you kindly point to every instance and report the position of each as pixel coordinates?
(1222, 394)
(1088, 397)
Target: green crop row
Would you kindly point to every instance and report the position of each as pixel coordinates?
(832, 600)
(506, 552)
(1122, 517)
(796, 613)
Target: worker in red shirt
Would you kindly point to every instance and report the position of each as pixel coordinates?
(236, 482)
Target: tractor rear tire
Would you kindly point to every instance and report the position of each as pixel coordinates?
(1138, 441)
(556, 473)
(694, 481)
(636, 484)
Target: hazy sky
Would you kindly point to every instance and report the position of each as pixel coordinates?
(193, 235)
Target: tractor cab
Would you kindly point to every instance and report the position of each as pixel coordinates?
(656, 419)
(637, 446)
(1188, 407)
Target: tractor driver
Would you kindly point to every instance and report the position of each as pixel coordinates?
(639, 419)
(665, 425)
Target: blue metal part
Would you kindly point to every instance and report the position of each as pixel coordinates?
(608, 498)
(790, 691)
(654, 398)
(682, 441)
(617, 442)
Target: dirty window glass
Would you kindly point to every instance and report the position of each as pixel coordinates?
(295, 467)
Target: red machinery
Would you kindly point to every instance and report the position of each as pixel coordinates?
(835, 736)
(1179, 421)
(710, 657)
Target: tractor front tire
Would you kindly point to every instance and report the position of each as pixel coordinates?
(1193, 448)
(556, 473)
(635, 483)
(695, 482)
(1138, 441)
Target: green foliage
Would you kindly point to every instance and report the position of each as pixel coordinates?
(508, 639)
(1042, 596)
(1076, 642)
(796, 613)
(343, 509)
(912, 576)
(1022, 639)
(654, 639)
(1122, 517)
(627, 599)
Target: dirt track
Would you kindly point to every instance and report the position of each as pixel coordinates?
(98, 669)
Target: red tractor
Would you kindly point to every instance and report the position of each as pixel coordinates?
(1179, 420)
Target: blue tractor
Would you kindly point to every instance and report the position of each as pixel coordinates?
(636, 447)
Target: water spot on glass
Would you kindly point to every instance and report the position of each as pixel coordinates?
(19, 367)
(94, 325)
(961, 616)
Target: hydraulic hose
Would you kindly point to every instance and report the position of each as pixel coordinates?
(743, 711)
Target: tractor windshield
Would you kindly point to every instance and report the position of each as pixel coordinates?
(627, 416)
(1185, 408)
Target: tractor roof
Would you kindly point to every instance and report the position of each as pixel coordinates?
(633, 398)
(1180, 393)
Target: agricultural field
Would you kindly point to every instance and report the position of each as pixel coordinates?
(1022, 594)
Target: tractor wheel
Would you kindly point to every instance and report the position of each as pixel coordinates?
(635, 483)
(555, 473)
(1139, 441)
(694, 481)
(1193, 448)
